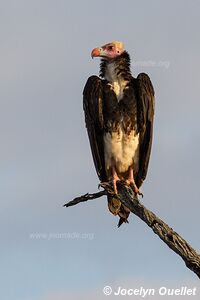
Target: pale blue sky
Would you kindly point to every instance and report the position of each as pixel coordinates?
(45, 158)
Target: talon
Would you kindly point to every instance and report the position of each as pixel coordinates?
(141, 194)
(134, 187)
(137, 192)
(102, 184)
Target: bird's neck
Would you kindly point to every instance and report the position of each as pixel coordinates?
(116, 69)
(117, 73)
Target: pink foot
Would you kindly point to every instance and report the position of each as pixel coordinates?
(134, 186)
(115, 178)
(131, 182)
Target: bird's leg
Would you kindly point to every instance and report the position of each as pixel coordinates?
(131, 181)
(115, 178)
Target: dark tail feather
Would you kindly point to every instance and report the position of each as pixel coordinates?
(121, 221)
(123, 214)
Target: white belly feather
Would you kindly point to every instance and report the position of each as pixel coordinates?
(121, 150)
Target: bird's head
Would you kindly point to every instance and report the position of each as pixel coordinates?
(109, 51)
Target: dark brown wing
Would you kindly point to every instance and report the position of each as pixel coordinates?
(145, 100)
(93, 108)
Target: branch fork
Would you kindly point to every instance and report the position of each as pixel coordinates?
(173, 240)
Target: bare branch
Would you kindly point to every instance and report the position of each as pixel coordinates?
(167, 234)
(84, 198)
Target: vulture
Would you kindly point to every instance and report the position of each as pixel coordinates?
(119, 112)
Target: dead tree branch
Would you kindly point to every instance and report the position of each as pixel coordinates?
(167, 234)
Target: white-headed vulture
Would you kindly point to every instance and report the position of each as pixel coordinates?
(119, 112)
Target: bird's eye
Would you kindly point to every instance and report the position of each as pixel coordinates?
(110, 48)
